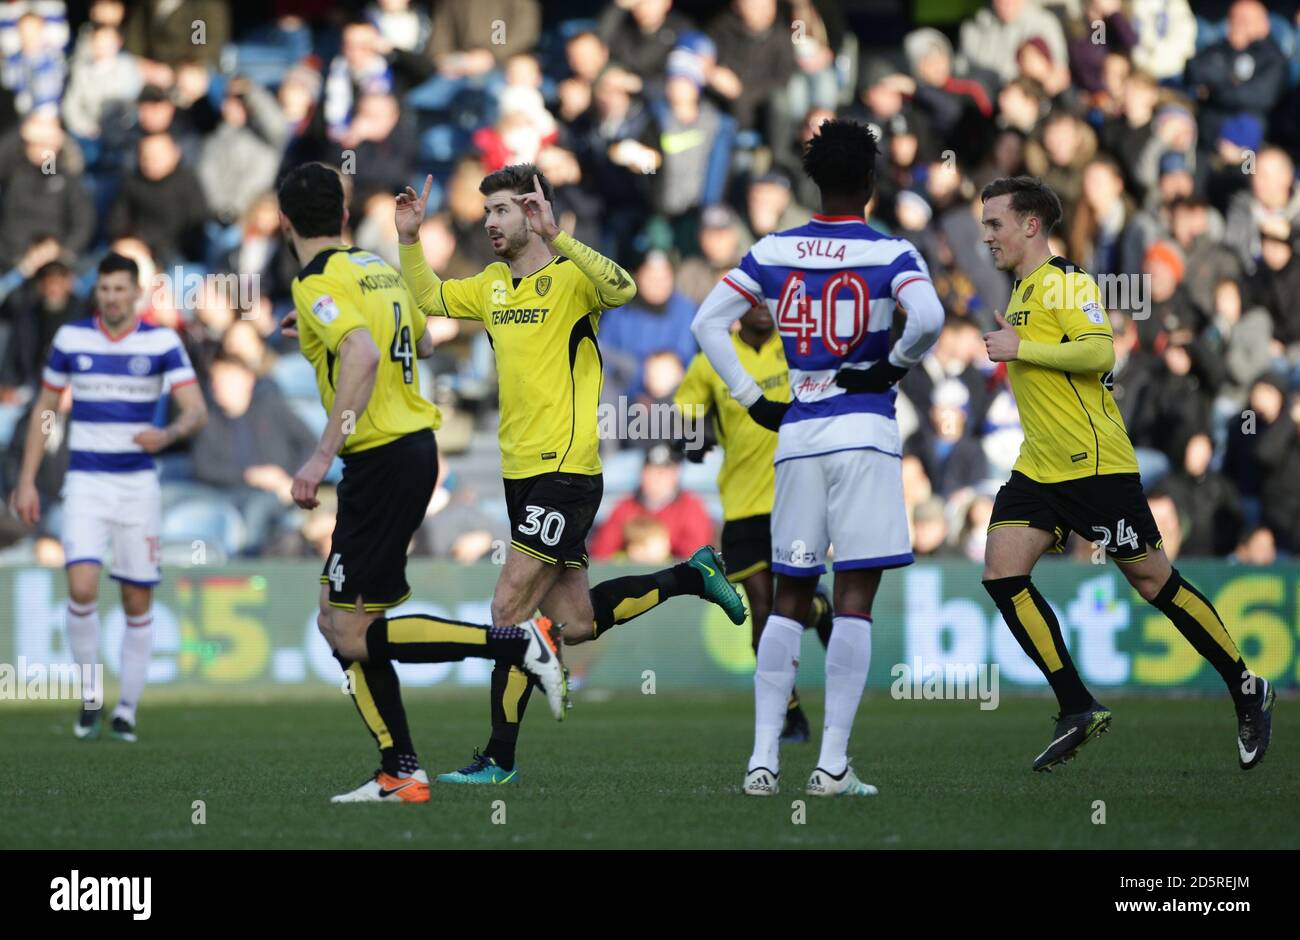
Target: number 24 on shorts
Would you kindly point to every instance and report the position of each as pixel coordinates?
(1125, 536)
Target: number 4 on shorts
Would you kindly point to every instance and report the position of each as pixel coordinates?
(1125, 535)
(335, 572)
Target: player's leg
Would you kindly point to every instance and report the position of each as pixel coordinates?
(524, 581)
(136, 538)
(82, 619)
(800, 539)
(1025, 524)
(1163, 587)
(862, 484)
(86, 543)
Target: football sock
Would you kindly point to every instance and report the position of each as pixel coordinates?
(778, 662)
(377, 694)
(1034, 625)
(848, 658)
(619, 600)
(83, 644)
(1198, 621)
(511, 688)
(417, 638)
(137, 650)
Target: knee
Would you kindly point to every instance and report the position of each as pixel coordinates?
(83, 596)
(1147, 586)
(579, 632)
(350, 645)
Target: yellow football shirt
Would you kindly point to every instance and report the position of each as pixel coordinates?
(747, 480)
(345, 289)
(543, 332)
(1071, 423)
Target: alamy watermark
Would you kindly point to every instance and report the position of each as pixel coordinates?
(648, 421)
(949, 682)
(24, 681)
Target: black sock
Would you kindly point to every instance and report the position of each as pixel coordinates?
(511, 688)
(793, 704)
(419, 638)
(377, 695)
(507, 644)
(1036, 629)
(1197, 620)
(619, 600)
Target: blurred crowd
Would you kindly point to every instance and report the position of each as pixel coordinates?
(672, 134)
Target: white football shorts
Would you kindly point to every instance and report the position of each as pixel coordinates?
(118, 514)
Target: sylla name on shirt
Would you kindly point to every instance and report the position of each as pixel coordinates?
(520, 315)
(816, 248)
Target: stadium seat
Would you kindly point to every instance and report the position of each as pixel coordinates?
(217, 524)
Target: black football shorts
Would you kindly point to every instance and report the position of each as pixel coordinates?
(1108, 508)
(551, 515)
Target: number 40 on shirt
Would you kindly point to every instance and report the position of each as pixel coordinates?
(844, 295)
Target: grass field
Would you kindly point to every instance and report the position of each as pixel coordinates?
(644, 772)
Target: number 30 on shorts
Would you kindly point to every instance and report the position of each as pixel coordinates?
(1125, 535)
(547, 522)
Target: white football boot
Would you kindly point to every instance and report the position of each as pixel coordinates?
(542, 661)
(761, 782)
(387, 788)
(821, 783)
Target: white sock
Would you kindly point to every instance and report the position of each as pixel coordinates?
(778, 661)
(848, 657)
(137, 651)
(83, 643)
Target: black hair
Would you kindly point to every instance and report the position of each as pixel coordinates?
(113, 262)
(311, 196)
(518, 178)
(841, 158)
(1029, 196)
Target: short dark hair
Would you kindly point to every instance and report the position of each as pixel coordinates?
(1029, 196)
(518, 178)
(841, 158)
(113, 262)
(311, 196)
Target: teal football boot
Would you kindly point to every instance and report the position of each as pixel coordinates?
(482, 769)
(717, 588)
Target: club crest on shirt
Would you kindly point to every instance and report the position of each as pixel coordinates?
(1024, 298)
(324, 309)
(84, 363)
(1093, 311)
(138, 365)
(543, 285)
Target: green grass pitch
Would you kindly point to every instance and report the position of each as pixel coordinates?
(637, 771)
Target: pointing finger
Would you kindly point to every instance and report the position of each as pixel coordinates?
(428, 184)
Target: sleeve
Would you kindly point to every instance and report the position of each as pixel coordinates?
(177, 370)
(326, 310)
(1081, 314)
(1093, 353)
(730, 299)
(434, 297)
(694, 397)
(912, 289)
(57, 367)
(612, 286)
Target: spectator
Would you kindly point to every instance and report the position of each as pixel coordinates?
(34, 73)
(1198, 231)
(1279, 457)
(1257, 547)
(1100, 223)
(1275, 285)
(1273, 199)
(472, 37)
(696, 141)
(1209, 502)
(34, 313)
(1104, 20)
(359, 69)
(639, 34)
(103, 87)
(647, 541)
(1241, 341)
(953, 459)
(930, 530)
(41, 190)
(523, 128)
(1241, 460)
(1126, 134)
(948, 101)
(384, 143)
(658, 318)
(659, 497)
(162, 34)
(770, 205)
(721, 246)
(1165, 513)
(988, 37)
(1244, 73)
(162, 201)
(1166, 37)
(240, 157)
(251, 446)
(755, 58)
